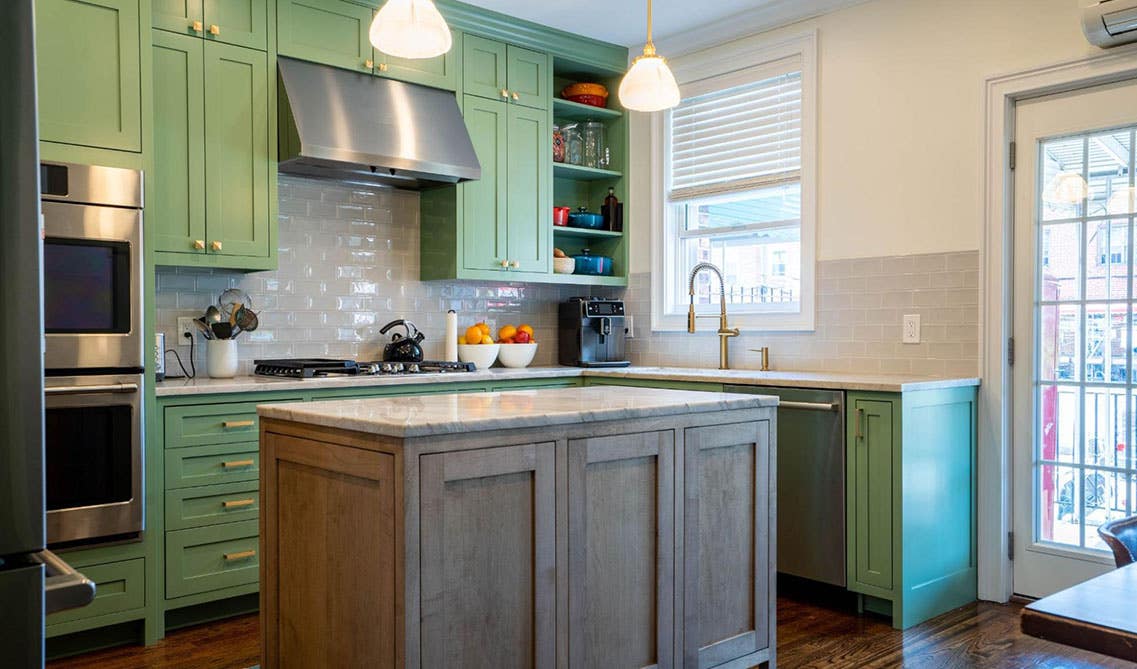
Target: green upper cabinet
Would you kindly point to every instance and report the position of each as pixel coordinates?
(528, 74)
(439, 72)
(505, 72)
(238, 22)
(484, 202)
(176, 212)
(332, 32)
(529, 217)
(88, 52)
(213, 163)
(484, 68)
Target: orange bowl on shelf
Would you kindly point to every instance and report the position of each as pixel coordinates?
(590, 100)
(585, 89)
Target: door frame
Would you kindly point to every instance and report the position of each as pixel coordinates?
(995, 450)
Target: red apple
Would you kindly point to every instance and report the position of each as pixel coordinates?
(522, 337)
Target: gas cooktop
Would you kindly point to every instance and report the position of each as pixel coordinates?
(309, 368)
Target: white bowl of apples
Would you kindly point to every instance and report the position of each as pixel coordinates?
(517, 346)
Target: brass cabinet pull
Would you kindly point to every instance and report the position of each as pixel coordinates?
(236, 503)
(197, 27)
(860, 423)
(230, 424)
(382, 67)
(216, 246)
(516, 96)
(505, 264)
(515, 264)
(229, 557)
(199, 244)
(230, 464)
(369, 64)
(505, 94)
(214, 29)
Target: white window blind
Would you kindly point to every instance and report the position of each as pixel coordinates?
(737, 138)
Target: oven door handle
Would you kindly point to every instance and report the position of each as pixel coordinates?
(90, 390)
(64, 587)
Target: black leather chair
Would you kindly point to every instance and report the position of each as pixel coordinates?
(1121, 537)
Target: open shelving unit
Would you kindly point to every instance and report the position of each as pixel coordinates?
(575, 186)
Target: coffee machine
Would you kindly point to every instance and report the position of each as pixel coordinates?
(592, 333)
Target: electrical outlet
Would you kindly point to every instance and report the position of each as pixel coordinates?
(911, 329)
(629, 327)
(185, 327)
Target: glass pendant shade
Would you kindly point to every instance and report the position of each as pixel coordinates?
(649, 85)
(410, 29)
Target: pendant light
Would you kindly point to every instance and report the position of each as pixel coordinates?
(410, 29)
(649, 85)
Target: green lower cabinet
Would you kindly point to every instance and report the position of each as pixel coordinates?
(209, 558)
(120, 588)
(212, 464)
(212, 505)
(911, 505)
(90, 83)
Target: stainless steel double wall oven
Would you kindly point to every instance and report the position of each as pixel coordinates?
(93, 357)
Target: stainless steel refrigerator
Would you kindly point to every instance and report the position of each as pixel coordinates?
(33, 581)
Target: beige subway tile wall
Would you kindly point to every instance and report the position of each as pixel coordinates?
(349, 263)
(860, 309)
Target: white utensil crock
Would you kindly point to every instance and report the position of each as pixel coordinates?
(221, 358)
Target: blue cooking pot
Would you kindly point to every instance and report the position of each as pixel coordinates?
(583, 219)
(586, 263)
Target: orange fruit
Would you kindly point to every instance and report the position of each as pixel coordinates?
(461, 339)
(486, 339)
(527, 328)
(506, 332)
(473, 334)
(483, 327)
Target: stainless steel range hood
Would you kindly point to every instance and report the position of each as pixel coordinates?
(356, 127)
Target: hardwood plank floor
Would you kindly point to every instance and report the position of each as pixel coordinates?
(810, 634)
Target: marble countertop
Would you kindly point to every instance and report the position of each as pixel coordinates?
(433, 415)
(789, 379)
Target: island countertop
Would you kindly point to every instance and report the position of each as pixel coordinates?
(431, 415)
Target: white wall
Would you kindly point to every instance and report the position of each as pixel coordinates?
(900, 125)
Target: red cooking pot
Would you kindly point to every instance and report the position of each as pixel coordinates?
(560, 216)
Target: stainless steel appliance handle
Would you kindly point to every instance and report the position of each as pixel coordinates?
(64, 588)
(809, 406)
(87, 390)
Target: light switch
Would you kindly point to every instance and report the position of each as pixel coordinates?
(911, 329)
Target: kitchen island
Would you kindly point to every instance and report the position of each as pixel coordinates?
(577, 526)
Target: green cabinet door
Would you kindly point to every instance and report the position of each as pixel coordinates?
(871, 499)
(484, 68)
(440, 72)
(483, 239)
(528, 75)
(180, 16)
(332, 32)
(237, 152)
(238, 22)
(527, 179)
(90, 84)
(176, 211)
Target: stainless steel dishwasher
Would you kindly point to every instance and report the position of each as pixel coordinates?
(811, 481)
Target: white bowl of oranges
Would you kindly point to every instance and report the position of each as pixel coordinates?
(517, 346)
(477, 346)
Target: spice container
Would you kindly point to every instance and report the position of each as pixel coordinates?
(558, 145)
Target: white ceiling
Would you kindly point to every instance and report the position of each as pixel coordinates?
(625, 21)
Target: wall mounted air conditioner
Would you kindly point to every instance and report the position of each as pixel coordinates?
(1110, 22)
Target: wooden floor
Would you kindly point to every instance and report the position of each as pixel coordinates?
(810, 634)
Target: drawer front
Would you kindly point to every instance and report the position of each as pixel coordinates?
(211, 505)
(211, 424)
(208, 465)
(210, 558)
(119, 586)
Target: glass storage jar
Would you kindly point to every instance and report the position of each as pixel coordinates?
(595, 145)
(558, 145)
(574, 143)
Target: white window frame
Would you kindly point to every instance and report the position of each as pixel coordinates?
(739, 60)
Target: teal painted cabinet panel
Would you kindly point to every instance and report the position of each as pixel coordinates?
(119, 587)
(237, 22)
(333, 32)
(186, 17)
(483, 243)
(484, 68)
(871, 492)
(440, 72)
(528, 75)
(90, 83)
(529, 214)
(176, 211)
(237, 152)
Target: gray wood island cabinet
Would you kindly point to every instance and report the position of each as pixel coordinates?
(574, 527)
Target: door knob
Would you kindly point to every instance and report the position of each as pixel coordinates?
(214, 29)
(216, 246)
(199, 244)
(197, 27)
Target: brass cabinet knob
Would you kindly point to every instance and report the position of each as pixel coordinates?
(368, 64)
(214, 29)
(199, 244)
(505, 264)
(197, 27)
(505, 94)
(516, 96)
(216, 246)
(382, 67)
(515, 264)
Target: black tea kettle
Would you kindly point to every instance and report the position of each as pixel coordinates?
(403, 348)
